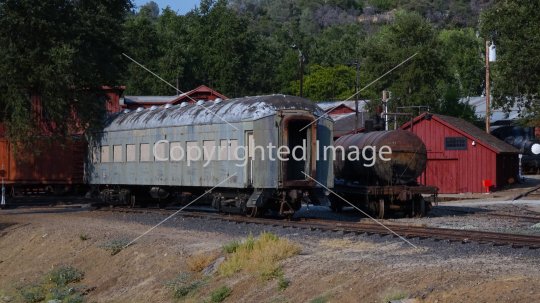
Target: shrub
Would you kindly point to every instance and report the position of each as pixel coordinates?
(32, 293)
(283, 283)
(115, 246)
(64, 275)
(260, 255)
(198, 262)
(231, 247)
(220, 294)
(55, 286)
(183, 285)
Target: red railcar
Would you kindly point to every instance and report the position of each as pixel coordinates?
(50, 167)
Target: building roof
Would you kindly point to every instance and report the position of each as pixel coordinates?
(210, 112)
(190, 96)
(330, 105)
(344, 124)
(469, 130)
(479, 105)
(148, 99)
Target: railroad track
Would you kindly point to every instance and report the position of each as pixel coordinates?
(406, 231)
(524, 218)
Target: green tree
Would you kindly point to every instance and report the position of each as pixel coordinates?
(417, 82)
(513, 25)
(327, 83)
(142, 43)
(63, 51)
(462, 50)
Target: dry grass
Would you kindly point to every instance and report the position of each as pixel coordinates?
(200, 261)
(260, 255)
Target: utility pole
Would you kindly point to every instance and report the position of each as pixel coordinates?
(488, 91)
(385, 104)
(356, 88)
(301, 60)
(491, 56)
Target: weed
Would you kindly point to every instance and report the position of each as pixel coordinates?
(260, 255)
(249, 243)
(231, 247)
(198, 262)
(65, 295)
(270, 271)
(395, 296)
(33, 293)
(183, 285)
(55, 286)
(220, 294)
(115, 246)
(319, 299)
(283, 283)
(84, 237)
(64, 275)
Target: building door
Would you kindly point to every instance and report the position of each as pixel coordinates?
(443, 174)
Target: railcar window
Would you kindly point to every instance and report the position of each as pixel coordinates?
(95, 154)
(117, 153)
(209, 150)
(177, 152)
(233, 150)
(105, 153)
(455, 143)
(161, 151)
(145, 152)
(130, 153)
(223, 149)
(193, 151)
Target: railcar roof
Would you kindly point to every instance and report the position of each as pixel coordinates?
(231, 111)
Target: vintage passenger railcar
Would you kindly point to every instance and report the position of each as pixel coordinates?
(127, 159)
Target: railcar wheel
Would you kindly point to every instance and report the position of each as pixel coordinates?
(336, 205)
(254, 212)
(381, 209)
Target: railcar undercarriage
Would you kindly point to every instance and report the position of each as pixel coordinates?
(381, 201)
(251, 202)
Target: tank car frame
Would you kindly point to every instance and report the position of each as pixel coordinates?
(387, 185)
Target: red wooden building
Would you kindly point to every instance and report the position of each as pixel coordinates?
(202, 92)
(462, 156)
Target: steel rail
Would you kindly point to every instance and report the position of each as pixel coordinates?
(407, 231)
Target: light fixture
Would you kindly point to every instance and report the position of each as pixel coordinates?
(535, 149)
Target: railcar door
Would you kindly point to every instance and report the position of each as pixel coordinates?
(298, 132)
(250, 159)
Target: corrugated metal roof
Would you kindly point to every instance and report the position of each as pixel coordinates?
(148, 99)
(344, 124)
(478, 134)
(479, 105)
(232, 110)
(328, 105)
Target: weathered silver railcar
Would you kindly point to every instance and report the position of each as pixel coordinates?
(164, 152)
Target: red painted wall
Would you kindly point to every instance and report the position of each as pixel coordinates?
(455, 171)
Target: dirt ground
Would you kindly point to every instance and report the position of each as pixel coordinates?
(330, 268)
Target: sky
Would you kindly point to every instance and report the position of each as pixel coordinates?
(181, 6)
